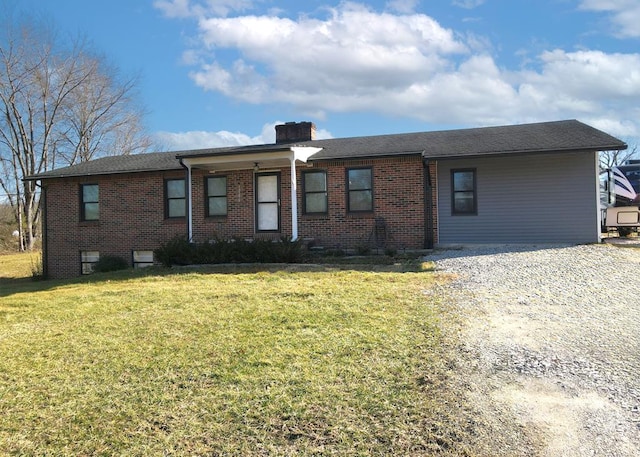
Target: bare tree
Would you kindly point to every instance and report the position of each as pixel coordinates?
(610, 159)
(58, 105)
(101, 117)
(34, 82)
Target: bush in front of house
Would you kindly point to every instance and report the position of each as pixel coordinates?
(176, 251)
(110, 263)
(179, 251)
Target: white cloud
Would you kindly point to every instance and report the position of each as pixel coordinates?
(283, 60)
(625, 15)
(174, 8)
(183, 141)
(195, 8)
(402, 6)
(467, 4)
(408, 65)
(592, 74)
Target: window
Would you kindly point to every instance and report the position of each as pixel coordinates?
(142, 259)
(176, 198)
(89, 206)
(359, 190)
(87, 261)
(315, 192)
(216, 189)
(463, 185)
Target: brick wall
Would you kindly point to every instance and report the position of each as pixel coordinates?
(132, 211)
(131, 217)
(398, 189)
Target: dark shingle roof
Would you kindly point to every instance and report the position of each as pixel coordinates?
(153, 161)
(556, 136)
(570, 135)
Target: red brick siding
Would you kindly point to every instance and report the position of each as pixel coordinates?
(398, 190)
(131, 217)
(132, 211)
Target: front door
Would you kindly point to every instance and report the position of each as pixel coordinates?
(268, 202)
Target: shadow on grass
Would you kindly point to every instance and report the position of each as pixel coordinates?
(12, 286)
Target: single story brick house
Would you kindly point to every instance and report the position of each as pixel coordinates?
(530, 183)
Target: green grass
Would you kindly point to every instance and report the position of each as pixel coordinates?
(304, 361)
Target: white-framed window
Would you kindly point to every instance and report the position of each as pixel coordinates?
(142, 259)
(87, 261)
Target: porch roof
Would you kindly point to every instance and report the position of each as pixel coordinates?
(256, 157)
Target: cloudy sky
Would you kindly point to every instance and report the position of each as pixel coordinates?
(222, 72)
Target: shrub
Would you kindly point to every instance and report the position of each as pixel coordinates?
(179, 251)
(363, 249)
(289, 251)
(37, 269)
(110, 263)
(176, 251)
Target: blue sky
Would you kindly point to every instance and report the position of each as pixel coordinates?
(224, 72)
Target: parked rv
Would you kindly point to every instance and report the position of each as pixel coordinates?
(620, 198)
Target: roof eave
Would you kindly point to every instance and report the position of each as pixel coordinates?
(366, 156)
(43, 176)
(618, 147)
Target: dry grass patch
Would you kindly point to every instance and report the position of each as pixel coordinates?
(281, 362)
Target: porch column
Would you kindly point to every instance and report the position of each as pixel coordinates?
(294, 200)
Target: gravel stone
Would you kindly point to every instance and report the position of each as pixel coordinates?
(558, 323)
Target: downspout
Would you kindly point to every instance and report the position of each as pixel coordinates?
(45, 244)
(294, 200)
(189, 205)
(428, 206)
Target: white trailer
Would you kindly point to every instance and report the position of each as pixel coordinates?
(620, 198)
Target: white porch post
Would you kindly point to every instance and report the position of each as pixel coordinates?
(294, 200)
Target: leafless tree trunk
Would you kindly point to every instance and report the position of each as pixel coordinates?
(58, 106)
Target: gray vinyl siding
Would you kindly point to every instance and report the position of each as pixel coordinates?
(541, 198)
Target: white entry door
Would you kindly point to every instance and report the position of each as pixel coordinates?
(268, 202)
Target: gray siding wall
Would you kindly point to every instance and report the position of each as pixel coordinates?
(542, 198)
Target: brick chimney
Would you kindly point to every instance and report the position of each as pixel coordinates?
(292, 132)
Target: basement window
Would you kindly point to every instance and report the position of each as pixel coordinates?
(142, 259)
(88, 260)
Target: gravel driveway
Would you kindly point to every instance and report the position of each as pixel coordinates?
(553, 334)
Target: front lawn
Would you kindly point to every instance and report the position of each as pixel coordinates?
(305, 361)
